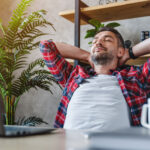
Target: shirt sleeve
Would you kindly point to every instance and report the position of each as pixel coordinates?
(146, 72)
(57, 65)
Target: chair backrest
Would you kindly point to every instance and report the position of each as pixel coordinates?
(2, 131)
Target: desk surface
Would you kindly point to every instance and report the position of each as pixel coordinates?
(58, 139)
(137, 138)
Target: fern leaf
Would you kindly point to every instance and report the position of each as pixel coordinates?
(24, 44)
(33, 45)
(31, 121)
(32, 17)
(26, 81)
(16, 20)
(18, 54)
(30, 28)
(18, 13)
(39, 62)
(20, 64)
(2, 28)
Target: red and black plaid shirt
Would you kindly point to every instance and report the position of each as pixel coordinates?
(133, 80)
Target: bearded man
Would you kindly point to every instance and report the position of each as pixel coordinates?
(109, 95)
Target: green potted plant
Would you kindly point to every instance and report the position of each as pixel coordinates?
(90, 33)
(18, 39)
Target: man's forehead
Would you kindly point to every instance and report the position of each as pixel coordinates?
(105, 33)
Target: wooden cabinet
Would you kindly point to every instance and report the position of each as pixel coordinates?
(111, 12)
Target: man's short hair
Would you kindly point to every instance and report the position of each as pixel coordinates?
(118, 35)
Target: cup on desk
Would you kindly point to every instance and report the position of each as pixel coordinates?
(145, 115)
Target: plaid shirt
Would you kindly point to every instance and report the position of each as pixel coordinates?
(133, 80)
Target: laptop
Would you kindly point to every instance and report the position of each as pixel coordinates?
(133, 138)
(15, 131)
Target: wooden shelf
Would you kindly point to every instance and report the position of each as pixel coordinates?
(113, 11)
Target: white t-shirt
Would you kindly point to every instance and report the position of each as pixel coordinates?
(98, 104)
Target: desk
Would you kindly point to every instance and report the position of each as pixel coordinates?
(60, 139)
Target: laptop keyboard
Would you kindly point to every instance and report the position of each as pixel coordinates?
(24, 130)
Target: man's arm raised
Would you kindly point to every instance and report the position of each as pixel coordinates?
(72, 52)
(142, 48)
(138, 50)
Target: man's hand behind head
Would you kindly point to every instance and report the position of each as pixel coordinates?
(90, 61)
(124, 58)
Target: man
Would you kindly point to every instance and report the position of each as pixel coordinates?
(104, 98)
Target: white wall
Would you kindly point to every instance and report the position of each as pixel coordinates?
(41, 103)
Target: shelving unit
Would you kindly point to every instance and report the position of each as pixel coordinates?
(110, 12)
(114, 11)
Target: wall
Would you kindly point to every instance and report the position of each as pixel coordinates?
(41, 103)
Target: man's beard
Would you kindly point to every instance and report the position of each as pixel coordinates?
(102, 59)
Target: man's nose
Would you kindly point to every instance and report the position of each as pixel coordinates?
(99, 42)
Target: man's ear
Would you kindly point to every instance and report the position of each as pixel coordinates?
(121, 52)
